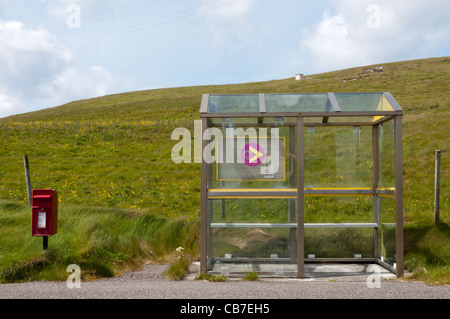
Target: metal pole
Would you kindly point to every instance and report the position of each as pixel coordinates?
(300, 200)
(376, 179)
(203, 205)
(45, 242)
(28, 179)
(437, 186)
(398, 194)
(292, 210)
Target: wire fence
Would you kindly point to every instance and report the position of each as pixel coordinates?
(117, 163)
(132, 182)
(127, 163)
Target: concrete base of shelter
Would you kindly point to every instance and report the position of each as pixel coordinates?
(313, 271)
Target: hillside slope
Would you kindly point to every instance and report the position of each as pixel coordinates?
(418, 85)
(129, 129)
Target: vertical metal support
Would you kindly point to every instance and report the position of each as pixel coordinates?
(356, 149)
(437, 186)
(203, 204)
(44, 242)
(398, 194)
(28, 180)
(300, 200)
(292, 184)
(209, 205)
(376, 179)
(262, 103)
(204, 104)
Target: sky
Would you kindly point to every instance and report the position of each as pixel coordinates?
(56, 51)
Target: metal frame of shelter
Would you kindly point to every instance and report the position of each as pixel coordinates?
(300, 112)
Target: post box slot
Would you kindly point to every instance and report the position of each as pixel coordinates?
(42, 220)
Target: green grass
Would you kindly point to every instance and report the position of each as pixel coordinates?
(427, 252)
(123, 201)
(102, 241)
(81, 147)
(251, 276)
(178, 269)
(212, 278)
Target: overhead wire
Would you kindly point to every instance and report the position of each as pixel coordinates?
(158, 21)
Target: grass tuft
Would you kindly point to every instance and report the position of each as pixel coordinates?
(213, 278)
(20, 270)
(427, 252)
(251, 276)
(178, 269)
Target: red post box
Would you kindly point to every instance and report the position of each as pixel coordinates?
(44, 212)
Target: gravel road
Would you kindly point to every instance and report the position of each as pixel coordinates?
(149, 283)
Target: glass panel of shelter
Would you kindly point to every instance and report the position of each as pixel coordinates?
(252, 157)
(249, 220)
(243, 214)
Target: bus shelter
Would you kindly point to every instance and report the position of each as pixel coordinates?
(289, 179)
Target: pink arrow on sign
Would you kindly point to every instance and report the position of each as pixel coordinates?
(252, 154)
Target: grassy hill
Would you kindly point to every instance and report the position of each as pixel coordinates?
(110, 157)
(418, 85)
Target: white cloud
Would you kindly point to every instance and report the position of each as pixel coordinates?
(73, 83)
(10, 105)
(330, 42)
(24, 48)
(39, 71)
(228, 23)
(366, 32)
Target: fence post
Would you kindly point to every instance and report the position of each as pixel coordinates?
(27, 178)
(437, 187)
